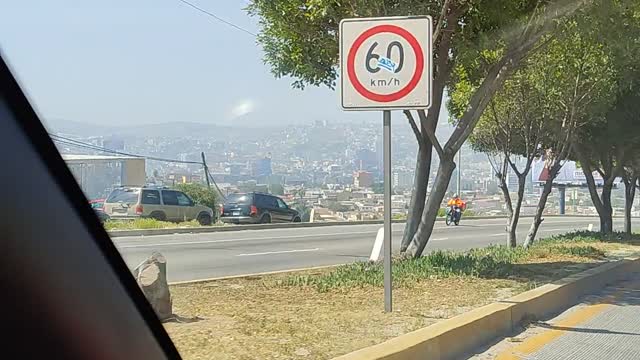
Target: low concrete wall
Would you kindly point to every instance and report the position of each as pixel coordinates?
(459, 336)
(212, 229)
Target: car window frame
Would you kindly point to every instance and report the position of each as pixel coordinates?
(28, 129)
(160, 202)
(163, 199)
(189, 204)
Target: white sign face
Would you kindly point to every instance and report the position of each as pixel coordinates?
(386, 63)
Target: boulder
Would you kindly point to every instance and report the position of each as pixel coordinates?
(151, 276)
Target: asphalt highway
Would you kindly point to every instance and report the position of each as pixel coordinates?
(203, 256)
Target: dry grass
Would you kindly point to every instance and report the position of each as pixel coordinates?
(269, 318)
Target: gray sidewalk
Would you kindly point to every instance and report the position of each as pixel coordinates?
(603, 326)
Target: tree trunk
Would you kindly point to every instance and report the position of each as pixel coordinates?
(606, 216)
(509, 206)
(537, 220)
(629, 196)
(425, 151)
(419, 194)
(151, 276)
(601, 202)
(515, 217)
(430, 213)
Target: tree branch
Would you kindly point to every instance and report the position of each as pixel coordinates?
(414, 127)
(431, 134)
(441, 19)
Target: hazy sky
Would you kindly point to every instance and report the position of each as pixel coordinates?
(149, 61)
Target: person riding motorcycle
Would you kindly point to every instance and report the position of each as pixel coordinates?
(457, 203)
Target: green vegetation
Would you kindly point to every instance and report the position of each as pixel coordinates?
(491, 262)
(142, 224)
(200, 194)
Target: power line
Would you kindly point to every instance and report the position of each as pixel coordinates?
(72, 142)
(218, 18)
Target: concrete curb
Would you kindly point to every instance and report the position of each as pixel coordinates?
(460, 336)
(213, 229)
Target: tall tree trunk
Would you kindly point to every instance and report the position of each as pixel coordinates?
(509, 206)
(421, 177)
(606, 216)
(629, 196)
(419, 194)
(515, 217)
(430, 213)
(601, 202)
(542, 203)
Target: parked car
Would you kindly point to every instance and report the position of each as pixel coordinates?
(256, 208)
(159, 203)
(98, 207)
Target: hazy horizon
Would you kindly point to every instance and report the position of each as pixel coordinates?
(152, 62)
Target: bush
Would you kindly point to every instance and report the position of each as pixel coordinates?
(200, 194)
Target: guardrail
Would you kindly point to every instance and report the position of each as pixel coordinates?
(213, 229)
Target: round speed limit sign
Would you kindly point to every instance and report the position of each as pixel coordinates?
(386, 63)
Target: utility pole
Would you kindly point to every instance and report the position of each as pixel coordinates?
(206, 170)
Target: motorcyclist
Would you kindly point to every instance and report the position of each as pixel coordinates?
(457, 203)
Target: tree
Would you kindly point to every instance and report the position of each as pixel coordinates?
(575, 73)
(300, 40)
(609, 146)
(200, 194)
(512, 128)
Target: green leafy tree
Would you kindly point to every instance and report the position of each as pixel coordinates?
(610, 147)
(511, 128)
(300, 40)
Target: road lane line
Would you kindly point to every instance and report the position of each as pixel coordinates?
(245, 239)
(280, 252)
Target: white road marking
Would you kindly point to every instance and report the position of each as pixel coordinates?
(496, 235)
(246, 239)
(440, 239)
(279, 252)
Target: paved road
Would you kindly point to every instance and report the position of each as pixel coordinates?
(604, 326)
(201, 256)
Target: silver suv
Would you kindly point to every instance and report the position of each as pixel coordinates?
(159, 203)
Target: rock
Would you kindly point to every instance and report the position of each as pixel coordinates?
(151, 276)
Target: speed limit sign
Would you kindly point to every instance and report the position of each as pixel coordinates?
(386, 63)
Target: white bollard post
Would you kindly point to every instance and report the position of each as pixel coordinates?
(377, 246)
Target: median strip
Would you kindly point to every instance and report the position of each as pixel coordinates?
(329, 312)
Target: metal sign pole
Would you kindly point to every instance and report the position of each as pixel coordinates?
(387, 210)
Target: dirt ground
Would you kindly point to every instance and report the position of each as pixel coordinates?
(255, 318)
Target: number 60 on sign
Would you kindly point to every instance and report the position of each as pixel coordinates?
(386, 63)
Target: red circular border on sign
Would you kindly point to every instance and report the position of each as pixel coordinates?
(417, 75)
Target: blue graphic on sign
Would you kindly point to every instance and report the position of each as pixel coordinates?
(387, 64)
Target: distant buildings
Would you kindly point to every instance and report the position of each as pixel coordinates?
(402, 180)
(261, 168)
(362, 179)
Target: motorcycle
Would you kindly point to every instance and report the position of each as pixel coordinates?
(453, 215)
